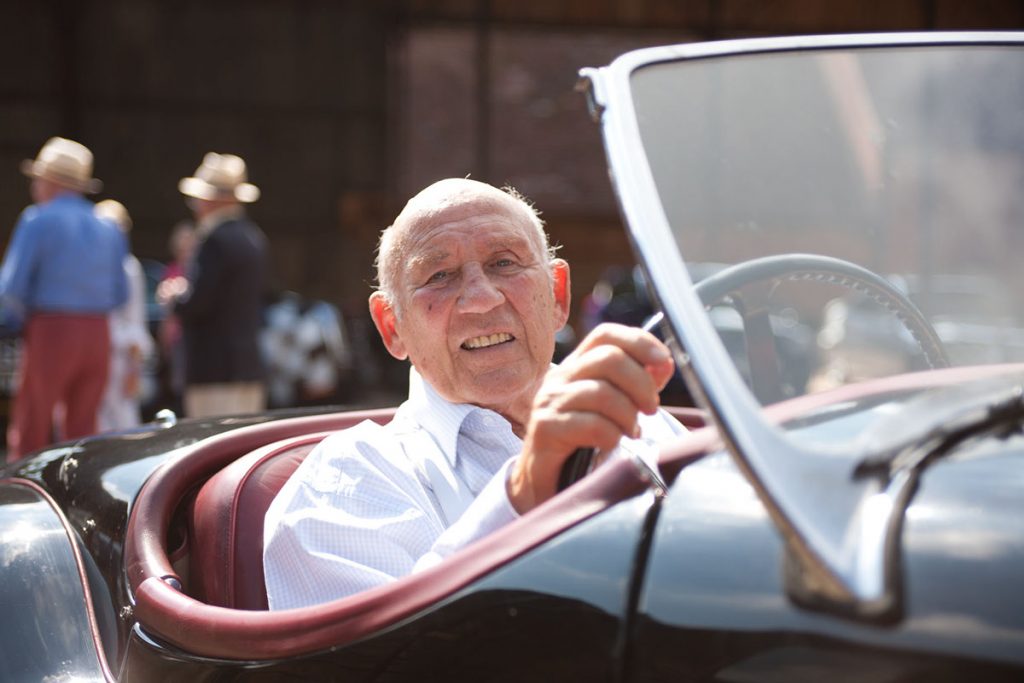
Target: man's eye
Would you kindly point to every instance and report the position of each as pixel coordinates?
(439, 276)
(504, 262)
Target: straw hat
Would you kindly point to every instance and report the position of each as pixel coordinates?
(113, 210)
(64, 162)
(220, 176)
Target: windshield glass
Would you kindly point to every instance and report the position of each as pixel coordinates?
(908, 162)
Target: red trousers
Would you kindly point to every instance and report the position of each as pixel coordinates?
(65, 360)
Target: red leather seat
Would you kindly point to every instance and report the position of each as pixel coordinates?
(226, 524)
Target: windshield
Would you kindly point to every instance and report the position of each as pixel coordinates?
(907, 162)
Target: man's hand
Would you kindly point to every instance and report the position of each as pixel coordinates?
(592, 399)
(171, 289)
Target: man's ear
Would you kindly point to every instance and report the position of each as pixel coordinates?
(563, 289)
(384, 319)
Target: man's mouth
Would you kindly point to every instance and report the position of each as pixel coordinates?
(487, 340)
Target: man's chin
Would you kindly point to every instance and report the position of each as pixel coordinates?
(501, 384)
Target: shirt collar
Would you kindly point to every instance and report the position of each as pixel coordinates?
(441, 418)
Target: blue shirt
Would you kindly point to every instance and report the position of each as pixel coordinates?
(63, 259)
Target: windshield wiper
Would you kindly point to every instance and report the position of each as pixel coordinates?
(989, 407)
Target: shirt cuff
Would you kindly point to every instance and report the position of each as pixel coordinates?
(488, 512)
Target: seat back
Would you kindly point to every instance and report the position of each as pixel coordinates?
(226, 523)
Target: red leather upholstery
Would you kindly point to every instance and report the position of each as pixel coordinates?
(226, 523)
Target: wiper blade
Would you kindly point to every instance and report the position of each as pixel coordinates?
(988, 407)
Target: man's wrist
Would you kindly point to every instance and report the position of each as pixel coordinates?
(517, 486)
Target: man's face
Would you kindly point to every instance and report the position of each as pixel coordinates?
(479, 303)
(201, 208)
(42, 190)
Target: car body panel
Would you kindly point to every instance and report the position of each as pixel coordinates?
(717, 577)
(93, 483)
(570, 594)
(48, 631)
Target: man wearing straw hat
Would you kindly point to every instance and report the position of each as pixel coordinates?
(60, 278)
(220, 302)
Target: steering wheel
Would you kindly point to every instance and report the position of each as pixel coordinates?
(737, 283)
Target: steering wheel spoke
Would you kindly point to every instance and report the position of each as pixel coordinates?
(747, 287)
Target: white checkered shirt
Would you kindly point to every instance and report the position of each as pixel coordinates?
(373, 503)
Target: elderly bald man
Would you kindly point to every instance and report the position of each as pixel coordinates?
(471, 294)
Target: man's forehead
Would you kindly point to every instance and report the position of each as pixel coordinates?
(487, 219)
(437, 246)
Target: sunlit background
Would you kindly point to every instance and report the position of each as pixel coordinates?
(344, 108)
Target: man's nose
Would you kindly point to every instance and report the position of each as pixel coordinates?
(479, 294)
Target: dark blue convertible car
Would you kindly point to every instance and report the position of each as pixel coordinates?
(863, 524)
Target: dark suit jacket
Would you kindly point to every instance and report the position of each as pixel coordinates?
(222, 313)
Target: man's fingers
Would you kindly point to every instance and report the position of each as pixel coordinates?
(642, 346)
(554, 438)
(611, 364)
(662, 372)
(592, 399)
(594, 430)
(588, 397)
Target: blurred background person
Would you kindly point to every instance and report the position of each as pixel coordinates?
(182, 246)
(220, 300)
(130, 343)
(62, 274)
(620, 296)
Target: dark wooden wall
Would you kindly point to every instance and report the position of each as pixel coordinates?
(330, 104)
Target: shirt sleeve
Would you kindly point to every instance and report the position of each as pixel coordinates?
(488, 512)
(18, 266)
(349, 519)
(661, 426)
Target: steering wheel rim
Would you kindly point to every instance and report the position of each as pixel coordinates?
(795, 267)
(814, 267)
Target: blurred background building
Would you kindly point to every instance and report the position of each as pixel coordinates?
(344, 108)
